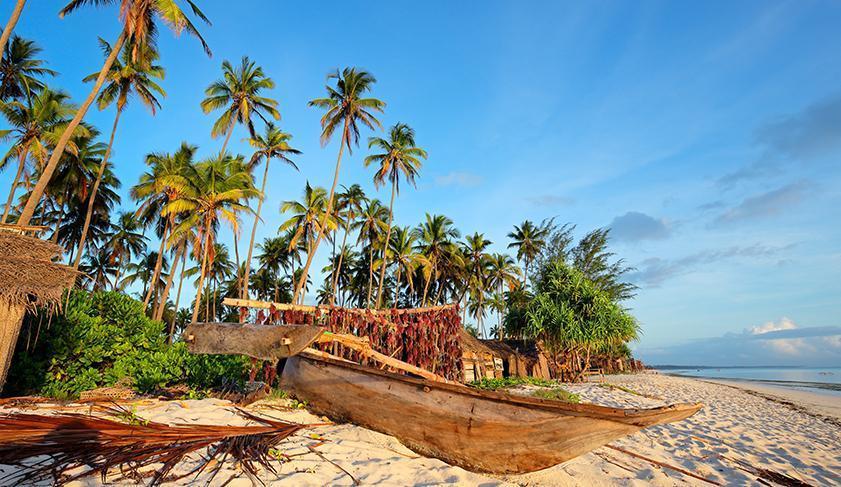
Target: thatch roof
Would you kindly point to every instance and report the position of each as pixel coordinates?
(470, 343)
(24, 246)
(28, 276)
(527, 350)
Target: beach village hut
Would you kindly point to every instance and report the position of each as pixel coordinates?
(28, 278)
(521, 358)
(480, 361)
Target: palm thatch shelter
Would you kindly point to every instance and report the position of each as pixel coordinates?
(479, 361)
(28, 279)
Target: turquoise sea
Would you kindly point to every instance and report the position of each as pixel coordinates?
(822, 379)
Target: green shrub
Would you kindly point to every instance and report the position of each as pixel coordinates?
(503, 382)
(103, 338)
(557, 394)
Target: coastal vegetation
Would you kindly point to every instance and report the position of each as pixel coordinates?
(566, 293)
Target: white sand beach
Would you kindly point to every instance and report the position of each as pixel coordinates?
(736, 429)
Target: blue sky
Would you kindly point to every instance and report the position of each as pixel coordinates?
(707, 135)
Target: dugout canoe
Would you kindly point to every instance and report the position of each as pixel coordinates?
(481, 431)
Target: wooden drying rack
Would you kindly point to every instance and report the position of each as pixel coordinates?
(252, 303)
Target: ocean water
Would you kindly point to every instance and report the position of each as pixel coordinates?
(826, 379)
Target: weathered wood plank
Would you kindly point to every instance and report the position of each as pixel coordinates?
(264, 342)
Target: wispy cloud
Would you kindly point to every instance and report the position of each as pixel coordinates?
(550, 200)
(457, 178)
(809, 135)
(654, 271)
(766, 204)
(781, 342)
(635, 226)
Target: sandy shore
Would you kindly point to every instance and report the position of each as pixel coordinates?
(737, 428)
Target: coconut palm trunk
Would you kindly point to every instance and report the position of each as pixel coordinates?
(92, 197)
(339, 265)
(11, 198)
(47, 174)
(159, 311)
(385, 244)
(205, 252)
(254, 230)
(10, 25)
(158, 264)
(11, 319)
(370, 272)
(322, 230)
(178, 293)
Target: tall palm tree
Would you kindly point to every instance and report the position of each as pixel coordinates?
(272, 143)
(435, 238)
(344, 107)
(36, 125)
(371, 226)
(21, 70)
(10, 24)
(307, 218)
(274, 256)
(125, 242)
(475, 277)
(98, 269)
(399, 157)
(138, 30)
(349, 203)
(127, 76)
(155, 189)
(501, 272)
(405, 258)
(238, 94)
(528, 239)
(74, 176)
(210, 191)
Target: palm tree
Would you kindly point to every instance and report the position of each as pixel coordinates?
(157, 188)
(97, 269)
(528, 239)
(435, 237)
(138, 30)
(209, 191)
(74, 176)
(400, 156)
(127, 76)
(371, 226)
(475, 276)
(20, 70)
(238, 93)
(501, 272)
(125, 242)
(349, 203)
(344, 107)
(36, 126)
(405, 258)
(10, 24)
(273, 143)
(275, 255)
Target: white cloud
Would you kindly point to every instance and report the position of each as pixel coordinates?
(783, 324)
(456, 178)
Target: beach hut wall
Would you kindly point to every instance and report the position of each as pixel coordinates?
(28, 279)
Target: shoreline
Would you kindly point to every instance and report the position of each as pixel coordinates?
(826, 406)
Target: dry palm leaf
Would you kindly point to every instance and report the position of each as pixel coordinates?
(75, 440)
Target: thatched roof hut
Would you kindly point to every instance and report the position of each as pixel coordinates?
(523, 358)
(478, 360)
(28, 278)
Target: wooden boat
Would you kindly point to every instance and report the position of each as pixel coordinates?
(481, 431)
(264, 342)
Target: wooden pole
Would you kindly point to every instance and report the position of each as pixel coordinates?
(251, 303)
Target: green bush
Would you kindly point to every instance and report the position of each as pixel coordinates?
(503, 382)
(103, 338)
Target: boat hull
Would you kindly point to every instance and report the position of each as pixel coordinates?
(480, 431)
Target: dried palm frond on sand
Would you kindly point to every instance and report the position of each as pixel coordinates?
(71, 441)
